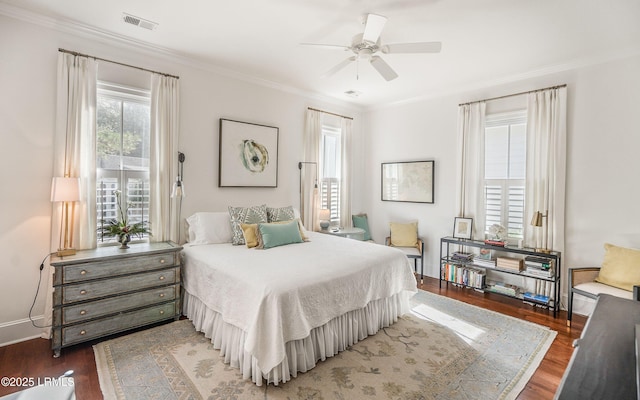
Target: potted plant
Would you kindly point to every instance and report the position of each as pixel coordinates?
(121, 227)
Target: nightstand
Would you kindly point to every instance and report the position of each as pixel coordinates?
(107, 290)
(351, 233)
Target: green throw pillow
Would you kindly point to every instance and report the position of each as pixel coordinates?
(361, 221)
(274, 235)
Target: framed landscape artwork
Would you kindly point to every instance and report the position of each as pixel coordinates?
(248, 155)
(408, 181)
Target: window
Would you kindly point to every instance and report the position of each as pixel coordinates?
(330, 150)
(122, 153)
(505, 171)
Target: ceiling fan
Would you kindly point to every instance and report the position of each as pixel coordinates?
(365, 45)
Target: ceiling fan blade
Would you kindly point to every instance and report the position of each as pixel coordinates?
(383, 68)
(338, 67)
(327, 46)
(421, 47)
(373, 27)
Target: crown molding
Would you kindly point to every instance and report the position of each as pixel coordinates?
(515, 78)
(114, 39)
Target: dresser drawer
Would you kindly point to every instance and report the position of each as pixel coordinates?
(103, 269)
(118, 323)
(107, 287)
(99, 308)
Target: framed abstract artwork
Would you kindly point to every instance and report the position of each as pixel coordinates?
(408, 181)
(248, 155)
(462, 228)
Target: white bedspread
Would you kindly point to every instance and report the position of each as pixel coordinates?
(281, 294)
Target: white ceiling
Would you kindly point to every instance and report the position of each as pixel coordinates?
(483, 42)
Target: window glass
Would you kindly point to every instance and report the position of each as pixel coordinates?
(331, 170)
(505, 172)
(122, 155)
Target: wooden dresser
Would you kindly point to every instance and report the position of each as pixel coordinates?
(108, 290)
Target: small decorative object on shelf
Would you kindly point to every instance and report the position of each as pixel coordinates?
(498, 235)
(498, 243)
(121, 227)
(462, 228)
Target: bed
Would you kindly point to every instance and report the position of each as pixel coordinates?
(276, 312)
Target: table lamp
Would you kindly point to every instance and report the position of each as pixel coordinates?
(325, 217)
(65, 190)
(537, 221)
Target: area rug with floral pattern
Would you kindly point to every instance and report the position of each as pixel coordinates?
(444, 349)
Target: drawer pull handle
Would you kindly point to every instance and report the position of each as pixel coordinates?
(83, 312)
(162, 277)
(161, 312)
(83, 272)
(161, 294)
(83, 332)
(83, 291)
(162, 261)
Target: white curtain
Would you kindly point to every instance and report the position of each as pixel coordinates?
(309, 194)
(163, 158)
(546, 166)
(74, 155)
(345, 178)
(470, 164)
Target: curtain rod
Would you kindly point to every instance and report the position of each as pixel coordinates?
(330, 113)
(75, 53)
(514, 94)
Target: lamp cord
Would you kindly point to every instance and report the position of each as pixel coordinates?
(38, 291)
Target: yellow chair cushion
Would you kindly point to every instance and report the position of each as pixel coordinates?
(620, 267)
(404, 235)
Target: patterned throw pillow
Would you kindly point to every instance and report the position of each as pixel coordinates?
(280, 214)
(245, 215)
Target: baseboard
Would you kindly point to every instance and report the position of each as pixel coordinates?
(20, 330)
(583, 306)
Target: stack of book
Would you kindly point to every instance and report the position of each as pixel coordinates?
(503, 288)
(460, 256)
(463, 275)
(483, 262)
(514, 264)
(538, 266)
(499, 243)
(544, 287)
(534, 298)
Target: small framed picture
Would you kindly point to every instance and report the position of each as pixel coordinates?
(462, 228)
(485, 254)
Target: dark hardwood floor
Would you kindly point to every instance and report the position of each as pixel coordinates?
(33, 358)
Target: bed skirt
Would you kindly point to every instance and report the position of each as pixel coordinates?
(301, 355)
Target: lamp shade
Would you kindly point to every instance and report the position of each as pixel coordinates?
(325, 214)
(537, 219)
(65, 189)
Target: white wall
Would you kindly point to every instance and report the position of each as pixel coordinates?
(602, 171)
(602, 159)
(28, 65)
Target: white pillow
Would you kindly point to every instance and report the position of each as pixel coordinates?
(209, 228)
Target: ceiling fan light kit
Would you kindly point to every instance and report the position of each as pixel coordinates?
(365, 45)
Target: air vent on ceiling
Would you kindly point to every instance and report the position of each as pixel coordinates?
(137, 21)
(353, 93)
